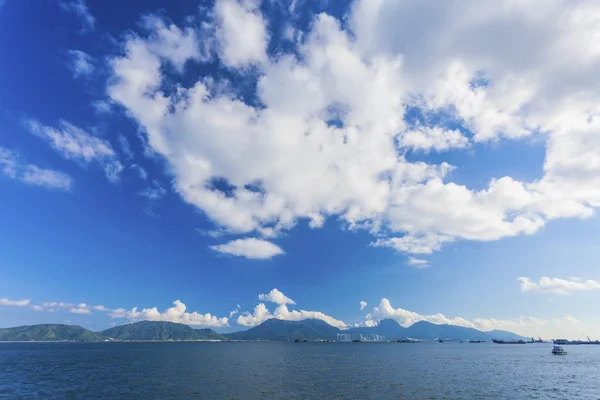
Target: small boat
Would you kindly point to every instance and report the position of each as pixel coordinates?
(558, 351)
(441, 341)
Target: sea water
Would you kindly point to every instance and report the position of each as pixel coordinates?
(283, 370)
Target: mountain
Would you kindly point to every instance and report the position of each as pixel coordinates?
(159, 330)
(272, 329)
(49, 332)
(427, 330)
(388, 328)
(276, 329)
(209, 334)
(506, 335)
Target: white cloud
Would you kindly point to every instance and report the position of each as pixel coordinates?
(241, 32)
(55, 304)
(250, 248)
(14, 303)
(557, 285)
(425, 244)
(35, 307)
(234, 311)
(177, 314)
(141, 171)
(261, 314)
(363, 304)
(153, 192)
(275, 296)
(76, 144)
(81, 10)
(434, 138)
(417, 262)
(102, 107)
(99, 308)
(503, 71)
(407, 318)
(80, 310)
(210, 233)
(125, 147)
(80, 63)
(13, 167)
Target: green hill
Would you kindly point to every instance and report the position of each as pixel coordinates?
(49, 332)
(276, 329)
(159, 330)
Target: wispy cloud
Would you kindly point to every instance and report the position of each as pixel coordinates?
(80, 63)
(13, 167)
(101, 107)
(125, 147)
(363, 304)
(417, 262)
(76, 144)
(150, 212)
(153, 192)
(140, 170)
(81, 10)
(14, 303)
(250, 248)
(556, 285)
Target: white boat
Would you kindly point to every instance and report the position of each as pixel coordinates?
(559, 351)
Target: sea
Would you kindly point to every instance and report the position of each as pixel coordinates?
(284, 370)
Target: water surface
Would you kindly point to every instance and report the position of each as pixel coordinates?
(279, 370)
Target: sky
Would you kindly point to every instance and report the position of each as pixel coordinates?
(222, 163)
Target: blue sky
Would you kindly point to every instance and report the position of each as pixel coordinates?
(249, 160)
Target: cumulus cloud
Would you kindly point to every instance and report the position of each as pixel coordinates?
(81, 10)
(524, 325)
(250, 248)
(241, 32)
(417, 262)
(341, 99)
(177, 314)
(13, 167)
(363, 304)
(80, 63)
(557, 285)
(14, 303)
(76, 144)
(277, 297)
(35, 307)
(261, 313)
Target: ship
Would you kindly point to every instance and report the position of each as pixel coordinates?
(565, 341)
(509, 341)
(477, 341)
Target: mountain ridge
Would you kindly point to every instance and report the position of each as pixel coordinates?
(271, 330)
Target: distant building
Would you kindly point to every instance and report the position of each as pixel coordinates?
(344, 337)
